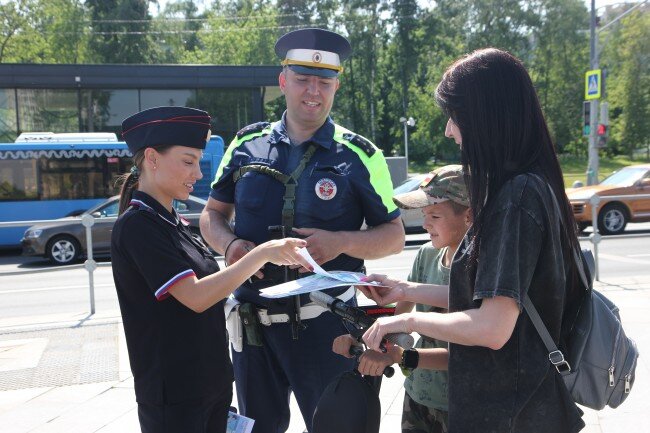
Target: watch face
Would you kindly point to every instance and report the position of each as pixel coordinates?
(410, 358)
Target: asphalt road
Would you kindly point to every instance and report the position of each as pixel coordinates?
(30, 287)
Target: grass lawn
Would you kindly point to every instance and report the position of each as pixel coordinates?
(573, 168)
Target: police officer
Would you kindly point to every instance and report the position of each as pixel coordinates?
(168, 283)
(306, 175)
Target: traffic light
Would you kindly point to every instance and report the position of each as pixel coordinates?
(586, 128)
(603, 126)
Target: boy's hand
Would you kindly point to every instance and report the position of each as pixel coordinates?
(342, 344)
(373, 363)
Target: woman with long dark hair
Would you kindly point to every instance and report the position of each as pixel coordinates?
(169, 286)
(500, 377)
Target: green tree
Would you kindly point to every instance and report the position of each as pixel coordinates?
(627, 58)
(121, 32)
(14, 18)
(40, 31)
(239, 33)
(557, 65)
(177, 28)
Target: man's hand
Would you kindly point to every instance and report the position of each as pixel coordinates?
(322, 245)
(342, 344)
(238, 249)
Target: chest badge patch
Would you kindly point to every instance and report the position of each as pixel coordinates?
(325, 189)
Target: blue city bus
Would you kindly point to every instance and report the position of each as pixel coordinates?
(47, 176)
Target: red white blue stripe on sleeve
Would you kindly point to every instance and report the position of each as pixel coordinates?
(161, 293)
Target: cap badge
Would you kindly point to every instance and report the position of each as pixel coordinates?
(317, 57)
(325, 189)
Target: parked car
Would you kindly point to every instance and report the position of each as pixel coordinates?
(63, 241)
(614, 214)
(412, 218)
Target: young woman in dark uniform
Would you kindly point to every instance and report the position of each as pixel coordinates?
(169, 286)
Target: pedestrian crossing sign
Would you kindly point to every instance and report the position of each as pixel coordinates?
(593, 84)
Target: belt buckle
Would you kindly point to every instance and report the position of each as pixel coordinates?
(561, 365)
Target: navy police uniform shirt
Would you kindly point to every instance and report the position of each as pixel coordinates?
(345, 182)
(176, 354)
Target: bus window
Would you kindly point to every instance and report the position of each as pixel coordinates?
(18, 180)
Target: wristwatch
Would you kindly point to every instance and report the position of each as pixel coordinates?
(410, 361)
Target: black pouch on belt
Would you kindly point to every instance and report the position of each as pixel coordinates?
(252, 326)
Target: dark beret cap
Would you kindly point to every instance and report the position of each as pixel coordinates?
(159, 126)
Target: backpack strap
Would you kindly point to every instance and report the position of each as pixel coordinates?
(555, 356)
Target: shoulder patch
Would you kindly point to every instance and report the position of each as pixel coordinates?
(361, 142)
(251, 129)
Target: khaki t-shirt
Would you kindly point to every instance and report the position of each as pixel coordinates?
(429, 387)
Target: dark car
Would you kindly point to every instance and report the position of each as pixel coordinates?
(412, 218)
(63, 241)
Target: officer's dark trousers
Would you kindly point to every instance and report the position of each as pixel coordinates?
(265, 376)
(207, 415)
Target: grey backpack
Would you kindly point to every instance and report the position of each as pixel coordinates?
(599, 360)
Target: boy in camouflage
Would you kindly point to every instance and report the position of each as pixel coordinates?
(443, 198)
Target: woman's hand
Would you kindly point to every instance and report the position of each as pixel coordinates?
(385, 325)
(342, 344)
(391, 291)
(285, 252)
(373, 363)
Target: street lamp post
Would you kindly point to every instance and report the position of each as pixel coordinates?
(592, 165)
(407, 122)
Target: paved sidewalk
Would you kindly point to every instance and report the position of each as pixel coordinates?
(70, 373)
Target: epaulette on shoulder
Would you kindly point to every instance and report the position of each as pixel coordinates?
(251, 129)
(361, 142)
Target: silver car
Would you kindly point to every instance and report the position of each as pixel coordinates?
(412, 218)
(63, 241)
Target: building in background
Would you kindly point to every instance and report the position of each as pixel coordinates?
(96, 98)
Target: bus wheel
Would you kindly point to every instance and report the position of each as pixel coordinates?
(63, 250)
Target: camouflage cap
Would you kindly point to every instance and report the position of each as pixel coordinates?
(442, 184)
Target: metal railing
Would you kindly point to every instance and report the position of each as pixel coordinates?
(595, 238)
(90, 264)
(88, 221)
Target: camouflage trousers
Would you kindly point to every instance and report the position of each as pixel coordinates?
(418, 418)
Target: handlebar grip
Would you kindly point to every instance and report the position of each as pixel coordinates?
(355, 350)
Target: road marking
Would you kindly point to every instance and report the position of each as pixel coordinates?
(52, 289)
(623, 259)
(638, 255)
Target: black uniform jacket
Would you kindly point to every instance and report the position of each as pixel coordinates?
(176, 354)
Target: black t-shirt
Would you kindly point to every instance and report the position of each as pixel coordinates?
(514, 389)
(176, 354)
